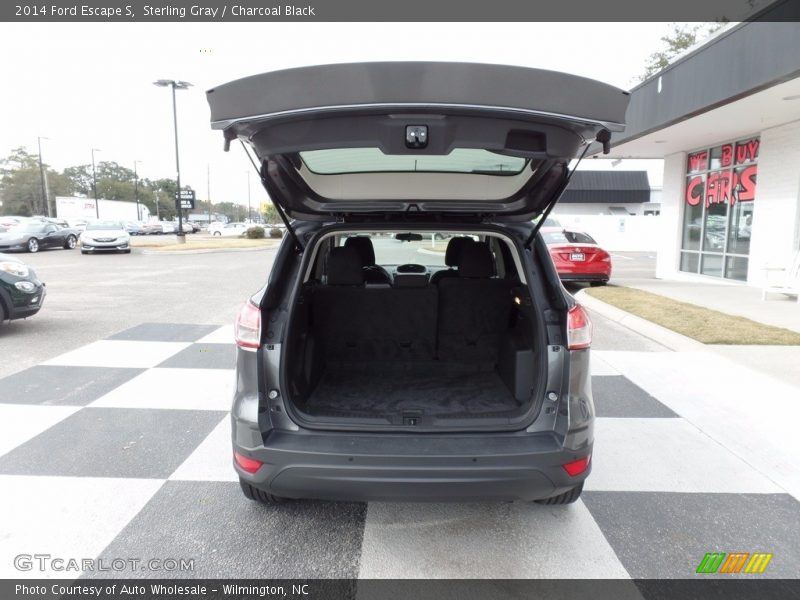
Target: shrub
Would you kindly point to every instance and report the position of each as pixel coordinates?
(255, 233)
(276, 233)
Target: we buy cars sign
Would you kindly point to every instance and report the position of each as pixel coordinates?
(185, 199)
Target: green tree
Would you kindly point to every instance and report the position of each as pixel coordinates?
(21, 184)
(681, 38)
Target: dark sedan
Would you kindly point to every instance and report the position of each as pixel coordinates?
(35, 235)
(21, 292)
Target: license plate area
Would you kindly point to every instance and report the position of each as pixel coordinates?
(577, 256)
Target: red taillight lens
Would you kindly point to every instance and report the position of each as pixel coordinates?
(576, 467)
(251, 465)
(579, 328)
(248, 326)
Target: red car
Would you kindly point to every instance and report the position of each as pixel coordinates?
(577, 256)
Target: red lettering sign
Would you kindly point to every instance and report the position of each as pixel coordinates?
(727, 155)
(698, 161)
(694, 191)
(746, 183)
(747, 151)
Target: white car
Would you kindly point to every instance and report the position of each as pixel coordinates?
(231, 230)
(105, 235)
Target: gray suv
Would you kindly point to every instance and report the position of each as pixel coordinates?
(413, 341)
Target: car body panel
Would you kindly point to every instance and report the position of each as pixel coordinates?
(109, 238)
(19, 303)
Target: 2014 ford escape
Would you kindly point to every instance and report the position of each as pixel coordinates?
(413, 340)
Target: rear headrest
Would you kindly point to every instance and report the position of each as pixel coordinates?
(475, 261)
(362, 245)
(344, 267)
(453, 252)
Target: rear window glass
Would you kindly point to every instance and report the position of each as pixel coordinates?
(579, 238)
(554, 237)
(373, 160)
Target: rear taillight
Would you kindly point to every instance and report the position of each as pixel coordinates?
(579, 328)
(576, 467)
(247, 329)
(251, 465)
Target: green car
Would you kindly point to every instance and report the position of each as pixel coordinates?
(21, 292)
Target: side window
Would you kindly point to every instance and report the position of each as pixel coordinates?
(495, 245)
(50, 229)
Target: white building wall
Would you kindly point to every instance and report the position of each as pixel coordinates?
(668, 234)
(776, 212)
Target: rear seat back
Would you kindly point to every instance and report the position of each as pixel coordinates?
(474, 308)
(360, 322)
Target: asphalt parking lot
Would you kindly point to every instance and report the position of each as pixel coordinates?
(131, 349)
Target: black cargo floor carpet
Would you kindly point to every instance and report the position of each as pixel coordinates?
(373, 389)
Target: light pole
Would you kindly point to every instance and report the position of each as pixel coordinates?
(176, 85)
(94, 185)
(45, 199)
(136, 188)
(158, 213)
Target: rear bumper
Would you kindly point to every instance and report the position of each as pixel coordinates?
(584, 276)
(335, 466)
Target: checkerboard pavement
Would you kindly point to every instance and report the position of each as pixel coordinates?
(121, 449)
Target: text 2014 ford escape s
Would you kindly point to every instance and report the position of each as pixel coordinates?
(413, 340)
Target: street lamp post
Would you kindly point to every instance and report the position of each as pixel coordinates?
(45, 199)
(94, 185)
(158, 213)
(136, 188)
(176, 85)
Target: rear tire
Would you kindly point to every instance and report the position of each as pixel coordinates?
(567, 497)
(71, 242)
(257, 495)
(33, 245)
(217, 233)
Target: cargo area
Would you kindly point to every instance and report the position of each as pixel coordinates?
(412, 350)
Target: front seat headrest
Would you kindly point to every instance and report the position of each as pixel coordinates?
(362, 245)
(453, 252)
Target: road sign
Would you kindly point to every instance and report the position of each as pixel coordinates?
(186, 199)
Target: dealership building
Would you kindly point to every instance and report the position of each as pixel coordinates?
(725, 118)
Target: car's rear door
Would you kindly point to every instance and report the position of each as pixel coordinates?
(372, 140)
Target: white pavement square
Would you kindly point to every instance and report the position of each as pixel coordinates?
(119, 353)
(495, 541)
(19, 423)
(753, 415)
(65, 517)
(600, 366)
(186, 389)
(223, 335)
(667, 455)
(212, 460)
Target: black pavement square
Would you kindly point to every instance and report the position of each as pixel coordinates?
(65, 386)
(203, 356)
(165, 332)
(229, 536)
(113, 442)
(667, 534)
(618, 396)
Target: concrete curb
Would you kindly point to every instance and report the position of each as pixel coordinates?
(657, 333)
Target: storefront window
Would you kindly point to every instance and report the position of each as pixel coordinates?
(718, 209)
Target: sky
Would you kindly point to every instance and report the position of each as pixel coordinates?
(89, 85)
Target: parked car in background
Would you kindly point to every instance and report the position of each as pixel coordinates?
(187, 227)
(77, 224)
(577, 256)
(215, 226)
(33, 235)
(7, 222)
(21, 292)
(232, 229)
(168, 227)
(134, 228)
(105, 236)
(152, 228)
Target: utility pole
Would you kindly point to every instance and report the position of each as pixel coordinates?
(249, 216)
(136, 189)
(208, 191)
(94, 185)
(45, 199)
